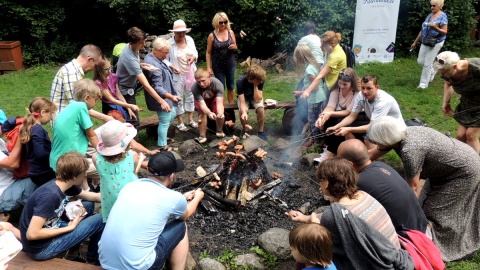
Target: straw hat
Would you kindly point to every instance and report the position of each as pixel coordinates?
(114, 137)
(180, 26)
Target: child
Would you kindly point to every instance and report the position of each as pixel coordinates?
(112, 98)
(73, 126)
(44, 233)
(311, 245)
(36, 140)
(250, 94)
(115, 163)
(304, 59)
(208, 100)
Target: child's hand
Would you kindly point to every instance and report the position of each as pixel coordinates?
(131, 113)
(296, 93)
(305, 94)
(297, 216)
(134, 107)
(165, 106)
(244, 116)
(175, 99)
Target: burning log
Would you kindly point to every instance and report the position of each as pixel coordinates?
(217, 197)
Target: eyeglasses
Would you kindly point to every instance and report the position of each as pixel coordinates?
(343, 76)
(440, 61)
(223, 22)
(110, 68)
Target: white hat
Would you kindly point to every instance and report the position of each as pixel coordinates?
(114, 137)
(180, 26)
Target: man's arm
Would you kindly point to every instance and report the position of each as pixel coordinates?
(345, 122)
(220, 108)
(36, 231)
(243, 107)
(90, 196)
(257, 94)
(192, 203)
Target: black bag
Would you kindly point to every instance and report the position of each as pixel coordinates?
(429, 41)
(350, 55)
(415, 122)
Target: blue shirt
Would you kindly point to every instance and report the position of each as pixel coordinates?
(428, 31)
(161, 80)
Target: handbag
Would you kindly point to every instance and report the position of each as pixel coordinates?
(429, 41)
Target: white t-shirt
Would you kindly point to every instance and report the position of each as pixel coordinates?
(383, 105)
(6, 175)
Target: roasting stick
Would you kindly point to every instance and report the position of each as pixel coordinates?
(141, 158)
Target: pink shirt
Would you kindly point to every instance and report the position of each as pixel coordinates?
(112, 82)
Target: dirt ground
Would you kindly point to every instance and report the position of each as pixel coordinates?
(238, 230)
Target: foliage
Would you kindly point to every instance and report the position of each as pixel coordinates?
(205, 254)
(226, 258)
(269, 260)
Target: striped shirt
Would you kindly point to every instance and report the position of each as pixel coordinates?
(62, 86)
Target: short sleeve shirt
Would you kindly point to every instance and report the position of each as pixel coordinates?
(62, 86)
(337, 60)
(245, 88)
(315, 96)
(214, 90)
(383, 105)
(128, 67)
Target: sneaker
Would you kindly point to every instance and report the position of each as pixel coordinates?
(193, 124)
(220, 134)
(262, 136)
(321, 158)
(422, 86)
(201, 139)
(78, 258)
(182, 127)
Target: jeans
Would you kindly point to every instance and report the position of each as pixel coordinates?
(89, 227)
(426, 56)
(16, 195)
(165, 120)
(172, 234)
(228, 75)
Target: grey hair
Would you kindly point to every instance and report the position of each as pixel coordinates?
(161, 43)
(387, 130)
(450, 58)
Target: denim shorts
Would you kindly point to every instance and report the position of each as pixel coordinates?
(172, 234)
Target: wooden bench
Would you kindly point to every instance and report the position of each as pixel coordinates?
(152, 120)
(22, 261)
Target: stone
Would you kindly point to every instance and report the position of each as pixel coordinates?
(250, 260)
(254, 142)
(275, 241)
(308, 158)
(210, 264)
(281, 144)
(190, 147)
(191, 263)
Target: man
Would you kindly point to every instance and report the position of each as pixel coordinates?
(138, 233)
(374, 101)
(250, 94)
(161, 80)
(129, 71)
(62, 86)
(384, 184)
(208, 99)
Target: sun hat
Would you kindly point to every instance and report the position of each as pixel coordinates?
(114, 137)
(180, 26)
(165, 163)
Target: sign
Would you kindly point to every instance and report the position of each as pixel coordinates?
(375, 30)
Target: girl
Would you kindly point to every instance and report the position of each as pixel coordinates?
(114, 162)
(311, 245)
(112, 98)
(304, 59)
(36, 140)
(340, 104)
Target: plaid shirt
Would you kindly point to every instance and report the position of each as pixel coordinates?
(62, 86)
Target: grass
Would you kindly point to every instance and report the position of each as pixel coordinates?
(399, 78)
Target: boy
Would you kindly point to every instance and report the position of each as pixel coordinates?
(208, 99)
(250, 94)
(148, 237)
(43, 226)
(73, 128)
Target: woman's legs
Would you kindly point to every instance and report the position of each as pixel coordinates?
(165, 119)
(426, 56)
(469, 135)
(180, 88)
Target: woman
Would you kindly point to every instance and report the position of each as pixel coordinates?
(183, 55)
(336, 62)
(461, 76)
(338, 181)
(435, 25)
(221, 44)
(339, 106)
(450, 196)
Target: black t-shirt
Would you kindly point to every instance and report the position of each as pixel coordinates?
(390, 189)
(47, 201)
(245, 88)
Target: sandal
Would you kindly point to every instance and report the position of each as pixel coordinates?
(220, 134)
(193, 124)
(201, 139)
(182, 127)
(79, 258)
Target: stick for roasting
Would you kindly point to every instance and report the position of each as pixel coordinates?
(141, 158)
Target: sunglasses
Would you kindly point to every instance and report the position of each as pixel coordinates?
(343, 76)
(223, 22)
(440, 61)
(433, 5)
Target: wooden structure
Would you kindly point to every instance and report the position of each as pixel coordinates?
(23, 262)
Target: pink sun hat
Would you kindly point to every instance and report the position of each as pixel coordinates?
(180, 26)
(114, 137)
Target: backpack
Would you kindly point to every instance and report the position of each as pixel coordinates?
(350, 55)
(424, 253)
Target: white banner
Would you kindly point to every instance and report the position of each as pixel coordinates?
(375, 30)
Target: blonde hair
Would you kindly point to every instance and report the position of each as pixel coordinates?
(256, 72)
(85, 87)
(161, 43)
(218, 17)
(438, 3)
(70, 165)
(314, 242)
(449, 58)
(303, 56)
(201, 73)
(331, 38)
(34, 109)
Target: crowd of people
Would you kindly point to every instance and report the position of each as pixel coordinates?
(58, 181)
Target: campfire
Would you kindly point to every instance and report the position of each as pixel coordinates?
(240, 177)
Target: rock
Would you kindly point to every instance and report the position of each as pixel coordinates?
(308, 158)
(210, 264)
(275, 241)
(253, 142)
(190, 147)
(281, 144)
(304, 208)
(249, 261)
(191, 264)
(321, 209)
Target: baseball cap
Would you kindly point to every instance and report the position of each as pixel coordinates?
(165, 163)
